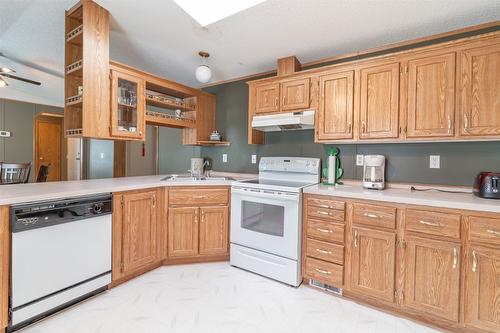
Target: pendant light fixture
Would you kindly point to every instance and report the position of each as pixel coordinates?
(203, 73)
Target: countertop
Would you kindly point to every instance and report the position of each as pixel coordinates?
(403, 194)
(23, 193)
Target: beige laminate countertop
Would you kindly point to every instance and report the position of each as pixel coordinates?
(404, 195)
(23, 193)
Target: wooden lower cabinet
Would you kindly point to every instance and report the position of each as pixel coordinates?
(433, 277)
(183, 231)
(373, 263)
(136, 231)
(214, 230)
(4, 266)
(482, 288)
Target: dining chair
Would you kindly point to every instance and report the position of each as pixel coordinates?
(43, 173)
(15, 173)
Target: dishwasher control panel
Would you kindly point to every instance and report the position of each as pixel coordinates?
(43, 214)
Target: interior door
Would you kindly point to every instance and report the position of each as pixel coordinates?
(295, 94)
(214, 226)
(373, 263)
(482, 301)
(479, 97)
(433, 277)
(183, 231)
(139, 230)
(431, 96)
(336, 108)
(267, 98)
(379, 105)
(48, 146)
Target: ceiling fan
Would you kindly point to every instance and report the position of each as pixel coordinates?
(7, 72)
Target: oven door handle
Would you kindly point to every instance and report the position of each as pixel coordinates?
(262, 194)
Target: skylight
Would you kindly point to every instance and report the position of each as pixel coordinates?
(206, 12)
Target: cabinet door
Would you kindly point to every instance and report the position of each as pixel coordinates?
(433, 277)
(336, 109)
(5, 266)
(479, 95)
(127, 106)
(482, 302)
(295, 94)
(214, 230)
(379, 105)
(139, 230)
(183, 232)
(373, 263)
(431, 96)
(267, 98)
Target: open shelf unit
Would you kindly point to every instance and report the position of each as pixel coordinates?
(86, 81)
(210, 143)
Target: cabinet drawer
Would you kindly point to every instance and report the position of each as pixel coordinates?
(326, 203)
(326, 231)
(483, 229)
(374, 215)
(433, 223)
(325, 251)
(325, 213)
(325, 272)
(200, 196)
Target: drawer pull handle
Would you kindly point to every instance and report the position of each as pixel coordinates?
(493, 232)
(356, 238)
(433, 224)
(199, 196)
(455, 258)
(474, 261)
(325, 206)
(372, 216)
(326, 231)
(323, 271)
(323, 251)
(323, 213)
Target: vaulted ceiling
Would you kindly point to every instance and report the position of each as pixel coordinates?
(159, 37)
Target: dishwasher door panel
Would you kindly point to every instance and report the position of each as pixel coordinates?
(48, 260)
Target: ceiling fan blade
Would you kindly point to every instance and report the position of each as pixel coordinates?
(6, 70)
(21, 79)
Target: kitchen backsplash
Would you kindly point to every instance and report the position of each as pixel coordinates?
(406, 162)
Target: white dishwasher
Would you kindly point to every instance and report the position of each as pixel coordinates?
(61, 254)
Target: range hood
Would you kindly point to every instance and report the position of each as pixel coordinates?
(284, 121)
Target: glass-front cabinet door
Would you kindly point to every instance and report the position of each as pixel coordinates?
(127, 106)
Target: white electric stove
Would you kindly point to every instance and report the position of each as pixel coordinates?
(266, 217)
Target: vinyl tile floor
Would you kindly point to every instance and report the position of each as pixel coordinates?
(218, 298)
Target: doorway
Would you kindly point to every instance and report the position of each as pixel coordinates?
(49, 145)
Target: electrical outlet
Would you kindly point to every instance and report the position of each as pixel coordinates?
(434, 161)
(359, 160)
(254, 159)
(102, 156)
(224, 158)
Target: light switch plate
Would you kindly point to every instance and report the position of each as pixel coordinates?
(224, 158)
(434, 161)
(254, 159)
(359, 160)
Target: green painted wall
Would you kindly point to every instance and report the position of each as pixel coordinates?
(406, 162)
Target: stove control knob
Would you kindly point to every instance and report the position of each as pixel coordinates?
(97, 208)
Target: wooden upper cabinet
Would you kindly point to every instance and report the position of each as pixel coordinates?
(267, 98)
(183, 231)
(214, 236)
(139, 232)
(373, 263)
(336, 110)
(295, 94)
(128, 106)
(431, 96)
(482, 300)
(480, 91)
(433, 277)
(379, 104)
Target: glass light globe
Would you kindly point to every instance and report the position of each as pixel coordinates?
(203, 73)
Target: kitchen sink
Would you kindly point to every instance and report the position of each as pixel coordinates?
(187, 178)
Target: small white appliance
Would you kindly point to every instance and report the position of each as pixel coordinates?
(284, 121)
(266, 218)
(61, 254)
(374, 172)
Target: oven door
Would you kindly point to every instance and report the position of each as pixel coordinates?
(266, 220)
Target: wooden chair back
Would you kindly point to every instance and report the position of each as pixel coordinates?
(15, 172)
(43, 173)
